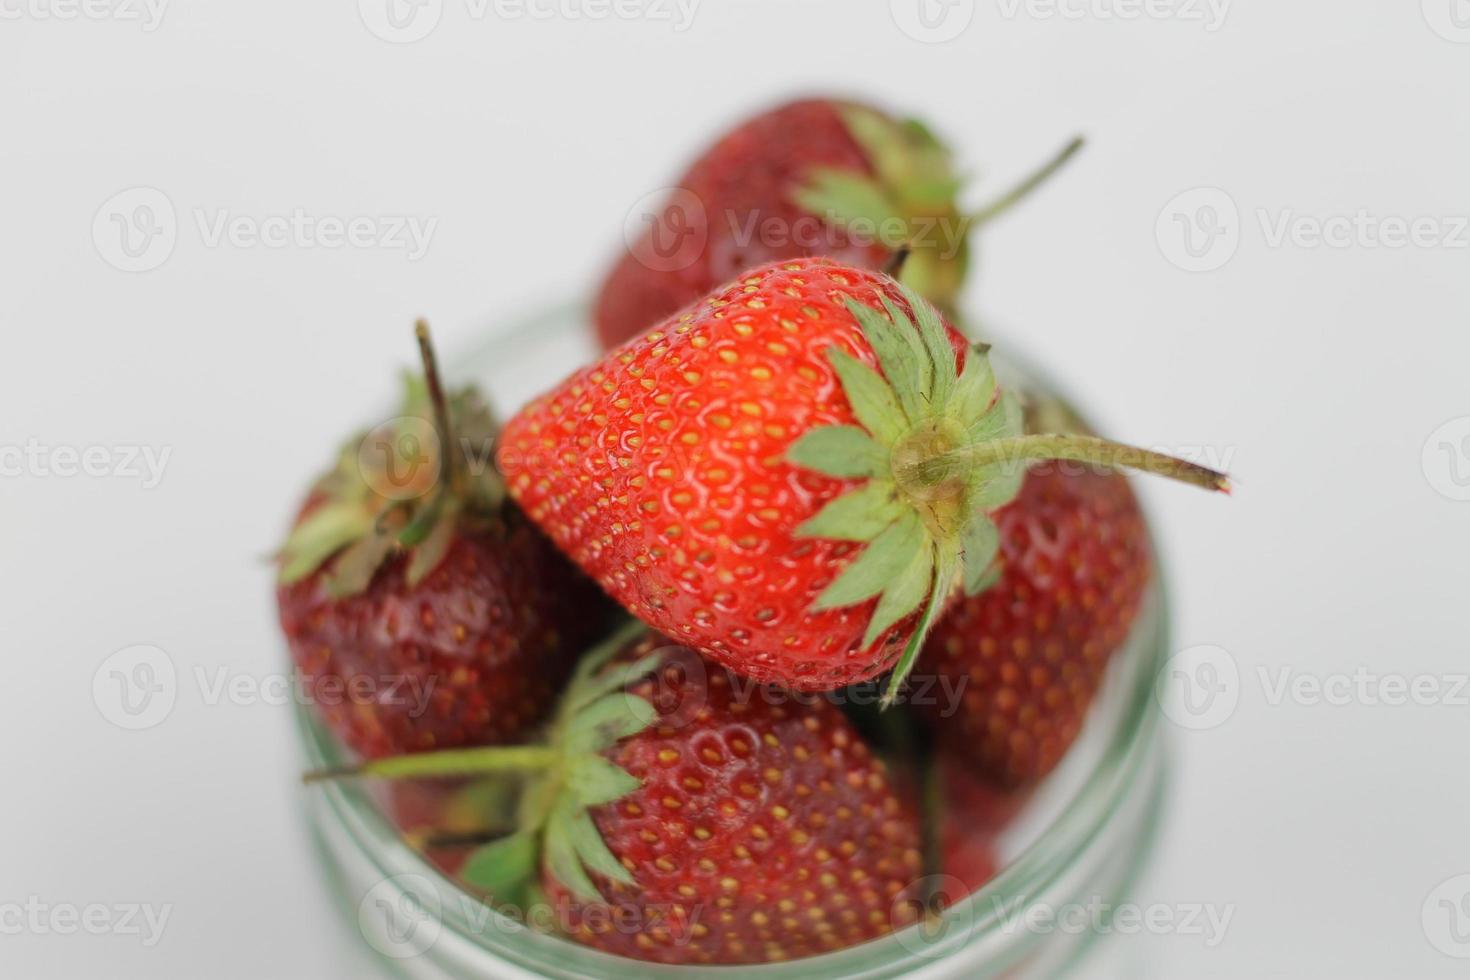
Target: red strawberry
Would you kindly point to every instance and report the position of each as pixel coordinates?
(743, 478)
(974, 814)
(814, 177)
(1031, 650)
(424, 612)
(684, 816)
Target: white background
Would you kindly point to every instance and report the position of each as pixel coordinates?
(1317, 373)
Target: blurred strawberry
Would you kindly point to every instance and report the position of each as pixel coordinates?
(678, 815)
(814, 177)
(421, 609)
(1031, 650)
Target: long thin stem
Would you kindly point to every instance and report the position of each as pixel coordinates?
(450, 762)
(1083, 449)
(1018, 193)
(437, 398)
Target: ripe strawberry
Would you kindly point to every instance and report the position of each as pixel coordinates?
(973, 815)
(682, 816)
(421, 611)
(1031, 650)
(744, 479)
(813, 177)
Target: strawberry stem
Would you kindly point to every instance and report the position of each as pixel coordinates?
(441, 406)
(1083, 449)
(450, 762)
(1022, 190)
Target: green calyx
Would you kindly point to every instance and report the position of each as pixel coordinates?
(939, 449)
(406, 486)
(563, 777)
(923, 510)
(909, 199)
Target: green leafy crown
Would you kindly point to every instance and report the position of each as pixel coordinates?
(909, 199)
(554, 823)
(404, 486)
(923, 508)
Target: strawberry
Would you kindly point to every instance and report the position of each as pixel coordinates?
(422, 611)
(973, 815)
(1032, 649)
(679, 815)
(813, 177)
(789, 476)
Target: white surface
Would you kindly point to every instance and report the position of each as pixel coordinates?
(1318, 373)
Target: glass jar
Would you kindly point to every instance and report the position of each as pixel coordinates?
(1081, 839)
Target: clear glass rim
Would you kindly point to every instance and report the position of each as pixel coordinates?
(1123, 763)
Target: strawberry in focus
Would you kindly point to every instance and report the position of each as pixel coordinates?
(812, 177)
(422, 610)
(790, 476)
